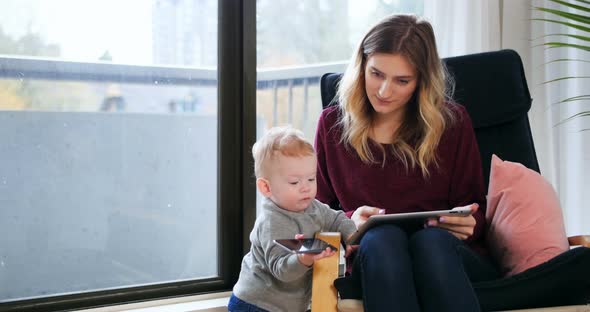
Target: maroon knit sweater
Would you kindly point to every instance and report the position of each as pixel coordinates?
(343, 178)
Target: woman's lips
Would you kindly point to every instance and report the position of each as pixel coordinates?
(384, 102)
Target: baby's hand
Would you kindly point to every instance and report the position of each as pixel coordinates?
(309, 259)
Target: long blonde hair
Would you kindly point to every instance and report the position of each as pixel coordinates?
(426, 116)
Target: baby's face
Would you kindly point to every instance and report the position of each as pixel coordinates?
(293, 181)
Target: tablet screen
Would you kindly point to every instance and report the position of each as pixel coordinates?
(305, 245)
(404, 220)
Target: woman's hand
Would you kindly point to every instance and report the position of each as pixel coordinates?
(350, 248)
(361, 214)
(309, 259)
(461, 227)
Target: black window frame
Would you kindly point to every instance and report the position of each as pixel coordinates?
(236, 75)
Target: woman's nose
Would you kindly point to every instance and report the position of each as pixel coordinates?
(385, 89)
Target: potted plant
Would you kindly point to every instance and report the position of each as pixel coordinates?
(575, 15)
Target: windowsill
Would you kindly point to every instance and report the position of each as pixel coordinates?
(209, 302)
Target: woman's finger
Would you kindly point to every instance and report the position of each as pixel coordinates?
(350, 249)
(362, 213)
(462, 230)
(461, 221)
(460, 233)
(460, 236)
(368, 211)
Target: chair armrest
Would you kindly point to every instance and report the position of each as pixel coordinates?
(323, 293)
(583, 240)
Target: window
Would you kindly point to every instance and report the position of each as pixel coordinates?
(293, 53)
(114, 183)
(126, 168)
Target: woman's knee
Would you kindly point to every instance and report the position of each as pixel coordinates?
(384, 256)
(381, 236)
(433, 241)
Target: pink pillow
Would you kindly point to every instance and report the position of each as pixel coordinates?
(525, 224)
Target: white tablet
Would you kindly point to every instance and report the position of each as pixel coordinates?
(398, 218)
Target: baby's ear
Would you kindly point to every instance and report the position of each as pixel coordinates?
(263, 187)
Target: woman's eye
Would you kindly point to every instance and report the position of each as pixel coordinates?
(376, 74)
(311, 180)
(403, 82)
(293, 183)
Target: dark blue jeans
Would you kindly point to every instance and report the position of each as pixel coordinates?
(426, 270)
(238, 305)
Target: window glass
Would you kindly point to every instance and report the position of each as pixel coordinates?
(108, 116)
(292, 53)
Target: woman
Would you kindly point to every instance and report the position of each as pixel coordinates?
(396, 143)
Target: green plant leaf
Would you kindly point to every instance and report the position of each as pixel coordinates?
(570, 16)
(577, 7)
(567, 60)
(571, 99)
(564, 78)
(575, 21)
(574, 116)
(576, 98)
(564, 45)
(560, 60)
(584, 38)
(576, 26)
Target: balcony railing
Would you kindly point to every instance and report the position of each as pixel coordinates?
(36, 68)
(290, 77)
(273, 79)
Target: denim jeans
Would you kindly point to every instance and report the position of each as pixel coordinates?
(426, 270)
(238, 305)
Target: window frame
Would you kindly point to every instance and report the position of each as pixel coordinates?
(236, 78)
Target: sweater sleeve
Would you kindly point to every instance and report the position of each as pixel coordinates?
(336, 221)
(325, 192)
(467, 183)
(283, 265)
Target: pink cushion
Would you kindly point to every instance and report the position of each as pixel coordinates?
(525, 223)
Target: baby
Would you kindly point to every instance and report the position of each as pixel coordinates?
(271, 278)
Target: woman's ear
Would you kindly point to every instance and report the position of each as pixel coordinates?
(263, 187)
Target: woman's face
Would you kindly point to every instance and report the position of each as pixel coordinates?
(390, 81)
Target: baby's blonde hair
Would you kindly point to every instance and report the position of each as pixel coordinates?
(285, 140)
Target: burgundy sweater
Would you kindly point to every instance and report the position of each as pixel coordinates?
(343, 178)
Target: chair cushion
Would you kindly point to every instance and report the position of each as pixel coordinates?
(524, 217)
(491, 85)
(563, 280)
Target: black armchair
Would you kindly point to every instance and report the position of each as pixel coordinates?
(493, 88)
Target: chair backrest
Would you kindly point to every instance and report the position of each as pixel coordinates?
(492, 87)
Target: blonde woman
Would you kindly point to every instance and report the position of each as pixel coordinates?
(395, 143)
